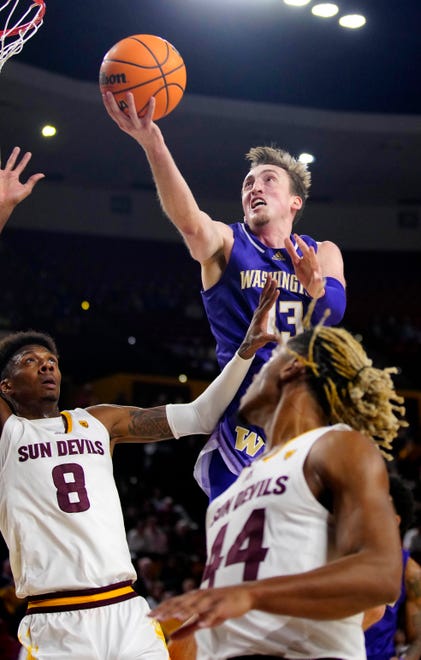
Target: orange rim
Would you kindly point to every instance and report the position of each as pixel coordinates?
(35, 21)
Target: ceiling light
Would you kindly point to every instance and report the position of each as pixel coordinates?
(325, 9)
(48, 131)
(297, 3)
(352, 21)
(306, 158)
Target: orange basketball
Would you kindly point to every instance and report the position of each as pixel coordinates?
(147, 66)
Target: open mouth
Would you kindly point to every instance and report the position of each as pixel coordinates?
(256, 203)
(49, 381)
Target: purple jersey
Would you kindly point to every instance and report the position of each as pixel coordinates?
(379, 638)
(229, 305)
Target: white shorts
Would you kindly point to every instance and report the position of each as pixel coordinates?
(121, 631)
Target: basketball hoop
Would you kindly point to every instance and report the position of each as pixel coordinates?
(19, 27)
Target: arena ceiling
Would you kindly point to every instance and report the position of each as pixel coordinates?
(258, 72)
(252, 50)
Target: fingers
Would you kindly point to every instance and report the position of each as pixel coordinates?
(187, 608)
(20, 165)
(151, 109)
(270, 284)
(147, 116)
(307, 251)
(33, 180)
(290, 248)
(16, 167)
(109, 102)
(257, 334)
(119, 116)
(203, 620)
(113, 109)
(301, 244)
(129, 120)
(270, 288)
(270, 293)
(203, 610)
(11, 161)
(179, 607)
(12, 158)
(186, 629)
(13, 165)
(131, 107)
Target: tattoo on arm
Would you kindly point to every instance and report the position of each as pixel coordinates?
(149, 424)
(414, 589)
(413, 609)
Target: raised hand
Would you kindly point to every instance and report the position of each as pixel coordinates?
(12, 189)
(139, 128)
(307, 268)
(257, 334)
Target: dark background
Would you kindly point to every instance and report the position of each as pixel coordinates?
(252, 50)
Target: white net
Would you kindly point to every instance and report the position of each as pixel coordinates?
(22, 20)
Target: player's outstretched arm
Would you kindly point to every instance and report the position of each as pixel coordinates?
(132, 424)
(203, 236)
(12, 190)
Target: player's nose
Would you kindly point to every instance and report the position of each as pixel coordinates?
(47, 365)
(257, 186)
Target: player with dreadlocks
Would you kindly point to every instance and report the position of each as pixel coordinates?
(351, 389)
(306, 538)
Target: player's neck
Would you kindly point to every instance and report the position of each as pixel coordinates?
(297, 412)
(38, 410)
(273, 235)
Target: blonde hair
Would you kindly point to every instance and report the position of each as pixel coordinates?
(299, 176)
(349, 388)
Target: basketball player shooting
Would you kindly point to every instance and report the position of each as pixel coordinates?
(235, 261)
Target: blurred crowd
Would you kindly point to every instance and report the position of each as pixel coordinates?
(144, 298)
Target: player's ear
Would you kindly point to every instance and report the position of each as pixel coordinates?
(291, 370)
(297, 203)
(5, 386)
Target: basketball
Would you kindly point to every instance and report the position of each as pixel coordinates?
(145, 65)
